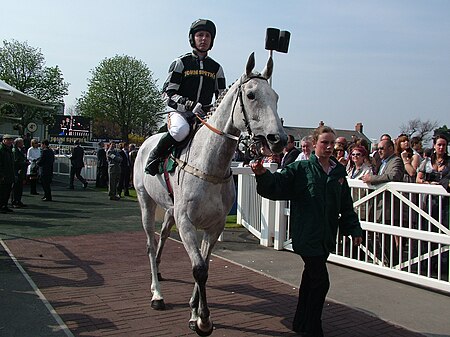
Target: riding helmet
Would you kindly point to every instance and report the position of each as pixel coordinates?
(202, 24)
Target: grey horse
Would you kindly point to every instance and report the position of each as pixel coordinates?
(203, 188)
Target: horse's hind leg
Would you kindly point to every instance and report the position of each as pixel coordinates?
(148, 209)
(167, 225)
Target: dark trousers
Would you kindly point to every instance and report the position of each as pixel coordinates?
(33, 184)
(124, 181)
(102, 176)
(46, 182)
(5, 193)
(17, 191)
(76, 171)
(311, 296)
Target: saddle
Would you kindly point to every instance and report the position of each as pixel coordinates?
(168, 164)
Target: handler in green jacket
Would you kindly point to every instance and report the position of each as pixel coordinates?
(320, 204)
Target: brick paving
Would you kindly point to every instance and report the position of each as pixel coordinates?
(100, 286)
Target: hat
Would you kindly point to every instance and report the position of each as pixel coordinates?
(6, 136)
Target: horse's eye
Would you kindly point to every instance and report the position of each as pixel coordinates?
(251, 95)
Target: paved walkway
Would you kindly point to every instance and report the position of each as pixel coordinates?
(98, 283)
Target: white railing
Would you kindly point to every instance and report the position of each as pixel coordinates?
(406, 228)
(89, 171)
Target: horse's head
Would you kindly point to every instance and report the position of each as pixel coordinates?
(256, 102)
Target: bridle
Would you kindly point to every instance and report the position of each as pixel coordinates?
(254, 140)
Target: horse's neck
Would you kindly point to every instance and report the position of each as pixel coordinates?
(210, 152)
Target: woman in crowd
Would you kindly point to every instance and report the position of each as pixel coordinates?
(438, 174)
(358, 164)
(410, 160)
(339, 154)
(439, 163)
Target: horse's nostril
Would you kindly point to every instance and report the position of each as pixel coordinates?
(273, 139)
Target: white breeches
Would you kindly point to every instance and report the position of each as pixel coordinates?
(178, 126)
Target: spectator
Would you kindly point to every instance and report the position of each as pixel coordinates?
(411, 161)
(376, 160)
(102, 167)
(416, 145)
(77, 164)
(20, 171)
(33, 154)
(320, 204)
(45, 163)
(339, 154)
(358, 165)
(124, 180)
(6, 172)
(306, 145)
(290, 152)
(133, 154)
(114, 160)
(391, 169)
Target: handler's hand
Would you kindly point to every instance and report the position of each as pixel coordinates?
(357, 241)
(257, 167)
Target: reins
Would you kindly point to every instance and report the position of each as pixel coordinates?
(207, 177)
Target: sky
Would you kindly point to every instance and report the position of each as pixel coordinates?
(378, 62)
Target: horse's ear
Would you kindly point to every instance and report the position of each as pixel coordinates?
(250, 64)
(267, 72)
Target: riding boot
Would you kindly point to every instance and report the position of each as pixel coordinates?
(164, 144)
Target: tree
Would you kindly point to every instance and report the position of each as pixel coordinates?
(443, 130)
(419, 128)
(23, 67)
(122, 90)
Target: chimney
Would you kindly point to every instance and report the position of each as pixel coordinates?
(359, 127)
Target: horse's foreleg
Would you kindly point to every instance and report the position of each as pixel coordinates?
(199, 321)
(148, 221)
(167, 225)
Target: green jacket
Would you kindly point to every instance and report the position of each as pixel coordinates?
(6, 165)
(320, 204)
(20, 163)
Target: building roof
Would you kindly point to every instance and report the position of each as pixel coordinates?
(300, 132)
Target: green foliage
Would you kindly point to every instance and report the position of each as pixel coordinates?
(122, 90)
(443, 130)
(23, 67)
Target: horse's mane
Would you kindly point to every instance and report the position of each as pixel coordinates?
(222, 95)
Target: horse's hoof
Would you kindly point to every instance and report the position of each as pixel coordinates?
(193, 325)
(158, 305)
(202, 332)
(160, 278)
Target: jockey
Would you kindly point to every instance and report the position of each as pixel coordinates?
(193, 80)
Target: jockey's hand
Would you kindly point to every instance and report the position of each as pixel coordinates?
(189, 105)
(198, 110)
(257, 167)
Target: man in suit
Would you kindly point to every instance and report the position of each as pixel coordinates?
(77, 164)
(124, 181)
(391, 169)
(6, 172)
(45, 163)
(290, 152)
(102, 167)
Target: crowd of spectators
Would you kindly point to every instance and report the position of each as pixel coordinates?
(26, 161)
